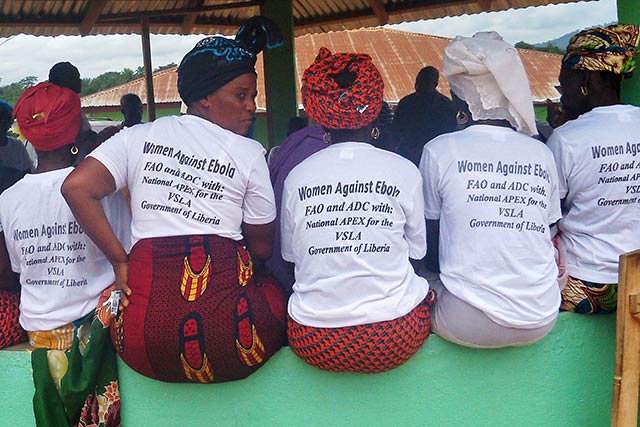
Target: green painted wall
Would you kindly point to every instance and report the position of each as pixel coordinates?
(565, 381)
(629, 13)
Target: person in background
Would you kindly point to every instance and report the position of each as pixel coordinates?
(14, 164)
(13, 154)
(131, 109)
(293, 150)
(203, 217)
(422, 115)
(491, 195)
(63, 275)
(351, 222)
(385, 124)
(65, 74)
(596, 153)
(296, 123)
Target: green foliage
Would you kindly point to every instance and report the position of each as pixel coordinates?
(549, 48)
(12, 92)
(162, 67)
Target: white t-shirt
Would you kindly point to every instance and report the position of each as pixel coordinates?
(598, 159)
(62, 272)
(189, 176)
(351, 219)
(495, 193)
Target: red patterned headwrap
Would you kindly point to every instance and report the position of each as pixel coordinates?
(334, 105)
(49, 116)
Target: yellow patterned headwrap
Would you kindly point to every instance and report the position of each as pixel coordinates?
(611, 49)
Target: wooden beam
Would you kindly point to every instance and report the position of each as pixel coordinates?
(378, 9)
(180, 11)
(391, 9)
(189, 20)
(92, 15)
(485, 5)
(148, 69)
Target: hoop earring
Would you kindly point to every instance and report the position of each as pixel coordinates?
(462, 117)
(375, 133)
(326, 138)
(74, 150)
(584, 91)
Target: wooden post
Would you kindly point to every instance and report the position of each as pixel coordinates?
(626, 378)
(280, 72)
(148, 70)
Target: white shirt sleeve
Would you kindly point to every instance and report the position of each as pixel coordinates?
(561, 157)
(259, 206)
(431, 195)
(415, 232)
(113, 155)
(286, 227)
(555, 213)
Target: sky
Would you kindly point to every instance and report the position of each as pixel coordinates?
(23, 55)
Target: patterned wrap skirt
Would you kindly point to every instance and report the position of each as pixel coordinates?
(10, 330)
(369, 348)
(196, 312)
(582, 296)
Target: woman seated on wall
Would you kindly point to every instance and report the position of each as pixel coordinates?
(351, 221)
(62, 273)
(490, 197)
(596, 155)
(203, 212)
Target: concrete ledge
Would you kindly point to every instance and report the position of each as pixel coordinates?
(564, 380)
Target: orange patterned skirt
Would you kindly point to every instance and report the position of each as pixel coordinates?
(370, 348)
(10, 330)
(197, 313)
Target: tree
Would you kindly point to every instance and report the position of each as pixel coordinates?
(11, 93)
(164, 67)
(549, 48)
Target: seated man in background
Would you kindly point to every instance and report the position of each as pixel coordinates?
(131, 109)
(421, 116)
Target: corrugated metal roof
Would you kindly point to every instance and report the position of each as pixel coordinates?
(56, 17)
(399, 55)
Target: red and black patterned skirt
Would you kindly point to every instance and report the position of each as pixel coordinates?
(10, 330)
(370, 348)
(197, 313)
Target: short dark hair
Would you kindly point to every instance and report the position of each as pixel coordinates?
(427, 78)
(65, 74)
(130, 98)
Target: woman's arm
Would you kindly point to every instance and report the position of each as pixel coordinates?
(433, 240)
(8, 279)
(259, 239)
(83, 189)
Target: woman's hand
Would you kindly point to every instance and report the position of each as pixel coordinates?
(121, 271)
